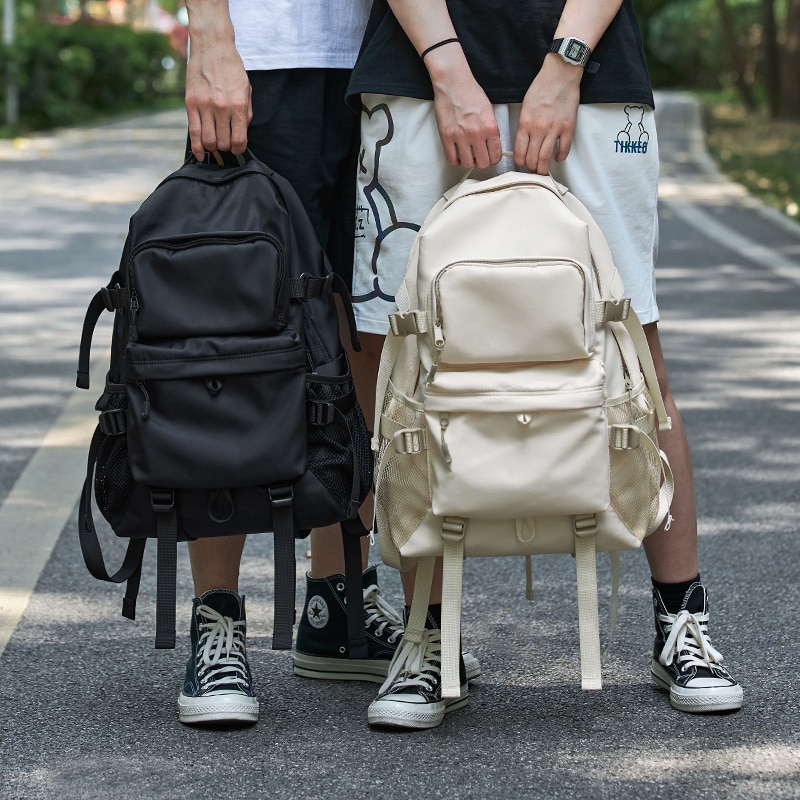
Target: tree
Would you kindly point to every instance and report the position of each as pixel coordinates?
(790, 73)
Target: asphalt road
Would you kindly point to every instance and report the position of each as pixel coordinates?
(88, 707)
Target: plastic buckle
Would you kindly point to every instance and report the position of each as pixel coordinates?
(585, 525)
(624, 437)
(453, 529)
(311, 286)
(408, 441)
(112, 422)
(162, 500)
(616, 310)
(406, 323)
(111, 297)
(320, 413)
(281, 496)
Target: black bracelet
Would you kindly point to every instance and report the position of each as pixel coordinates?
(438, 44)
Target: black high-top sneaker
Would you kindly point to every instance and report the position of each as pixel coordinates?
(411, 695)
(684, 662)
(218, 687)
(322, 643)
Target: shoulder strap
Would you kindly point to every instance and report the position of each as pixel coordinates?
(131, 568)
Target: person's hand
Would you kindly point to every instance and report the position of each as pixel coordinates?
(218, 96)
(465, 117)
(548, 114)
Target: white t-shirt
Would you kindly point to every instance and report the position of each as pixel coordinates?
(293, 34)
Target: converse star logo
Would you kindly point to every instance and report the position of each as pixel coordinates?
(317, 612)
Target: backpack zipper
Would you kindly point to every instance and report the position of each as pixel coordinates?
(145, 414)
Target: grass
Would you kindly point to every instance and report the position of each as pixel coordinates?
(761, 153)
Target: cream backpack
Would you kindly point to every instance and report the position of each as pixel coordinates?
(517, 405)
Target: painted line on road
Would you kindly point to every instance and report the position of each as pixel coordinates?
(41, 503)
(726, 236)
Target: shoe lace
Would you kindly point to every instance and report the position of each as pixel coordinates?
(416, 664)
(688, 640)
(222, 658)
(381, 615)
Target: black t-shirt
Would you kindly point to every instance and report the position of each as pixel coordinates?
(505, 43)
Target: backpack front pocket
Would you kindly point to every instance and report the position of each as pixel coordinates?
(511, 312)
(217, 412)
(172, 279)
(518, 443)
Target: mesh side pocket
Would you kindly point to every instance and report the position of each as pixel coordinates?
(113, 481)
(635, 474)
(404, 488)
(330, 451)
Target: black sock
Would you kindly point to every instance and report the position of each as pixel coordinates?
(434, 619)
(673, 593)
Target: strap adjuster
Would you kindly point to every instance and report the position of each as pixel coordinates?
(616, 309)
(585, 525)
(112, 298)
(406, 323)
(281, 496)
(624, 437)
(162, 500)
(320, 413)
(112, 422)
(310, 286)
(409, 441)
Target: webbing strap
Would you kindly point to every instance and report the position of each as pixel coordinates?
(352, 531)
(612, 624)
(423, 579)
(167, 566)
(588, 617)
(96, 307)
(637, 334)
(453, 529)
(131, 568)
(281, 499)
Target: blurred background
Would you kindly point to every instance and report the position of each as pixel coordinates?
(71, 62)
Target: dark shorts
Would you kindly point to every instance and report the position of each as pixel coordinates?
(303, 130)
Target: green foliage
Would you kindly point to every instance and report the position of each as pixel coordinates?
(69, 73)
(684, 41)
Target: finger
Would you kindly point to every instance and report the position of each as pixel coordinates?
(495, 149)
(521, 144)
(451, 153)
(545, 155)
(564, 146)
(195, 133)
(481, 155)
(239, 124)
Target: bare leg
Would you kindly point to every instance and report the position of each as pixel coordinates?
(672, 551)
(215, 563)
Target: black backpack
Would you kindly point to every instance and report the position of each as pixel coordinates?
(229, 407)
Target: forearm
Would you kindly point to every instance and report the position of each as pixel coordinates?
(587, 19)
(209, 23)
(217, 87)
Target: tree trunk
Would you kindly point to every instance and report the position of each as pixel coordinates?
(735, 59)
(790, 83)
(772, 60)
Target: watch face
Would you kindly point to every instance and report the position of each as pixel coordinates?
(575, 51)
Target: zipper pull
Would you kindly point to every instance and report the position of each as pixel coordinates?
(133, 331)
(146, 407)
(444, 422)
(438, 335)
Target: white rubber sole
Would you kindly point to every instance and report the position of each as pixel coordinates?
(371, 670)
(217, 709)
(392, 712)
(708, 700)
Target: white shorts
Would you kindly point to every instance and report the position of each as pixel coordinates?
(612, 168)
